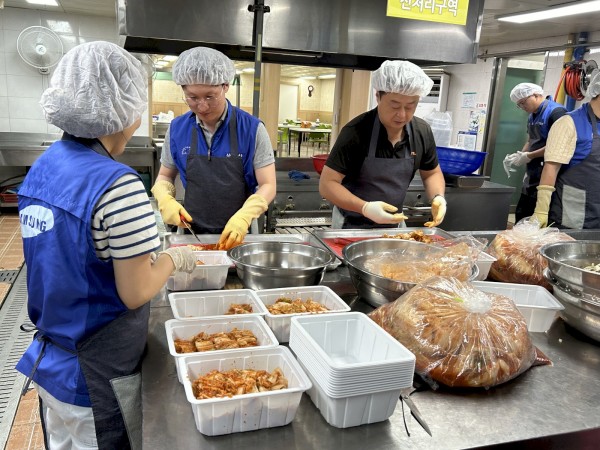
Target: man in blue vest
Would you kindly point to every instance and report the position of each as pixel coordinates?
(222, 154)
(569, 190)
(543, 112)
(89, 237)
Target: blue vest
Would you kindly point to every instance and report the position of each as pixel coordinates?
(72, 293)
(584, 135)
(180, 132)
(542, 121)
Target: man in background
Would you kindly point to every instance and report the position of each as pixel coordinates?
(543, 112)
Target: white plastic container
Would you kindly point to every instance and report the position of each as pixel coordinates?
(197, 304)
(351, 343)
(246, 412)
(186, 329)
(484, 264)
(280, 323)
(210, 275)
(537, 305)
(345, 412)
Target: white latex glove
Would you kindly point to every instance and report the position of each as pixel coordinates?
(381, 212)
(438, 211)
(508, 163)
(183, 258)
(521, 159)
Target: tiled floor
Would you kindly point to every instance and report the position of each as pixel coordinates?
(26, 433)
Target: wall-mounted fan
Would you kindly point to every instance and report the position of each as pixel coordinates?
(40, 47)
(589, 69)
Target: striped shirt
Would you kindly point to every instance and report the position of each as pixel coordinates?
(123, 222)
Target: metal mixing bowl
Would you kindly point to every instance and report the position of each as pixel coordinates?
(566, 261)
(270, 265)
(582, 305)
(375, 289)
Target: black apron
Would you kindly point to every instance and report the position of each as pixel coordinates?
(216, 187)
(576, 202)
(111, 361)
(380, 179)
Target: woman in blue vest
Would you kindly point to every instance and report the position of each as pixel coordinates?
(222, 154)
(89, 237)
(543, 112)
(569, 190)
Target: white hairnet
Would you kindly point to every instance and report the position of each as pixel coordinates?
(593, 89)
(203, 65)
(401, 77)
(524, 90)
(97, 89)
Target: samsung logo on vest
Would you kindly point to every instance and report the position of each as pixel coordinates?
(35, 219)
(185, 150)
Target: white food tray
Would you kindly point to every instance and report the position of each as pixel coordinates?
(197, 304)
(537, 305)
(280, 323)
(484, 264)
(186, 329)
(245, 412)
(210, 275)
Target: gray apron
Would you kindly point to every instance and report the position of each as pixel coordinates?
(380, 179)
(576, 202)
(216, 187)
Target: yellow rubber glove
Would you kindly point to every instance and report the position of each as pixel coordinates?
(237, 227)
(170, 209)
(381, 212)
(438, 211)
(542, 205)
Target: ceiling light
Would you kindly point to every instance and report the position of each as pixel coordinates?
(327, 76)
(308, 77)
(551, 13)
(248, 70)
(161, 63)
(43, 2)
(169, 58)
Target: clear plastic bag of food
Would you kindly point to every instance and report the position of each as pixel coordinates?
(518, 259)
(461, 337)
(416, 263)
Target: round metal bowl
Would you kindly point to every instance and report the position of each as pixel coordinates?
(270, 265)
(375, 289)
(582, 305)
(566, 261)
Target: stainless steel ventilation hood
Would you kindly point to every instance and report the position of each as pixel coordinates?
(336, 33)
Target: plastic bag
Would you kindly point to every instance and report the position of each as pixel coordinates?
(518, 259)
(441, 126)
(416, 263)
(461, 337)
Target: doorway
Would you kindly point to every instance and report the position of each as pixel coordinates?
(288, 102)
(511, 133)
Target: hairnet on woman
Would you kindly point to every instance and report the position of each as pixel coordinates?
(89, 238)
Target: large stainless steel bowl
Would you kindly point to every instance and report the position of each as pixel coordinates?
(375, 289)
(582, 305)
(270, 265)
(566, 261)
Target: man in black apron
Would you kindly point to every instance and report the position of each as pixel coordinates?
(222, 154)
(569, 190)
(543, 112)
(377, 154)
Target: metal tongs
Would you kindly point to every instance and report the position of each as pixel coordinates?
(405, 397)
(189, 227)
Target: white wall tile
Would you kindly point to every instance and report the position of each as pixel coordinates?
(28, 126)
(3, 88)
(4, 125)
(68, 41)
(18, 19)
(54, 130)
(4, 107)
(2, 45)
(61, 23)
(98, 27)
(24, 86)
(1, 21)
(10, 40)
(25, 108)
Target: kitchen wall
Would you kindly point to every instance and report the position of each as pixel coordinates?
(21, 85)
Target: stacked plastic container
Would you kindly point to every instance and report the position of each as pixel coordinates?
(357, 369)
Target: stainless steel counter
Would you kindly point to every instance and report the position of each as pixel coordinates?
(546, 407)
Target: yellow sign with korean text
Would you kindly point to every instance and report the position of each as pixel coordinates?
(443, 11)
